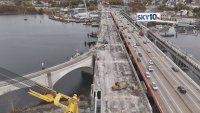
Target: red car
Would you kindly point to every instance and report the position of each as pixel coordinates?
(141, 34)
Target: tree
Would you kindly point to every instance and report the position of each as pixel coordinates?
(181, 6)
(137, 7)
(116, 2)
(40, 11)
(196, 12)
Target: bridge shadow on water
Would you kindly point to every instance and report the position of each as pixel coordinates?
(76, 82)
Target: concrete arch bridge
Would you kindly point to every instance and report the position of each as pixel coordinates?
(49, 76)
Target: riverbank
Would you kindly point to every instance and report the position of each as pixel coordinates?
(15, 10)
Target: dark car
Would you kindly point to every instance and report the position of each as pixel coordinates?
(137, 44)
(139, 54)
(175, 69)
(138, 59)
(181, 89)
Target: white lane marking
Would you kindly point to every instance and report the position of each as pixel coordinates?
(196, 104)
(162, 93)
(166, 90)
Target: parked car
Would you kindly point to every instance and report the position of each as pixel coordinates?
(175, 69)
(153, 84)
(148, 74)
(181, 89)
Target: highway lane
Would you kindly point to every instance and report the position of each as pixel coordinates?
(163, 94)
(170, 76)
(164, 87)
(191, 98)
(191, 102)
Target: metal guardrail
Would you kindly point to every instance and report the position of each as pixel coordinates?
(184, 54)
(179, 51)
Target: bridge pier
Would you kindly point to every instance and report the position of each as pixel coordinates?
(49, 80)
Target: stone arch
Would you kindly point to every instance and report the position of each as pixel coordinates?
(50, 76)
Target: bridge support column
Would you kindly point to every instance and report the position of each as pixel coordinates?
(49, 80)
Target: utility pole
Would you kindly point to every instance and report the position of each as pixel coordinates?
(86, 8)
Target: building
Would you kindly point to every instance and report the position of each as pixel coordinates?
(167, 15)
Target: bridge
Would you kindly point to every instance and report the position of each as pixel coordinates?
(49, 76)
(167, 97)
(178, 56)
(121, 54)
(113, 65)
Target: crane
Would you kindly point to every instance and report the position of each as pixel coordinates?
(40, 91)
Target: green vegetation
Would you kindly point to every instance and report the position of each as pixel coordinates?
(116, 2)
(180, 6)
(92, 5)
(17, 10)
(23, 3)
(40, 11)
(137, 7)
(196, 12)
(162, 8)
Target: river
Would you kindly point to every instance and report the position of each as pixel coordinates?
(188, 43)
(24, 45)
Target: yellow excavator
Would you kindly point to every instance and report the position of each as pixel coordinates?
(120, 85)
(42, 92)
(71, 105)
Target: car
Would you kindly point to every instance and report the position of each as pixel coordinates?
(144, 42)
(141, 34)
(151, 62)
(181, 89)
(137, 44)
(175, 69)
(148, 74)
(129, 37)
(139, 54)
(148, 51)
(138, 59)
(153, 84)
(150, 68)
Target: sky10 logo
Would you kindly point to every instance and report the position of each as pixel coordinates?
(148, 16)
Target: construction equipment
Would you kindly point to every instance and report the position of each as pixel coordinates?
(54, 97)
(42, 92)
(120, 85)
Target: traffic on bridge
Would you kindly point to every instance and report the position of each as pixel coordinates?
(170, 86)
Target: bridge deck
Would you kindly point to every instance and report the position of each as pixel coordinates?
(113, 66)
(166, 79)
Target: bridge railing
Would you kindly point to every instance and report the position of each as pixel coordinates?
(53, 68)
(184, 54)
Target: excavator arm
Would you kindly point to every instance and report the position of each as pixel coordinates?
(39, 91)
(71, 105)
